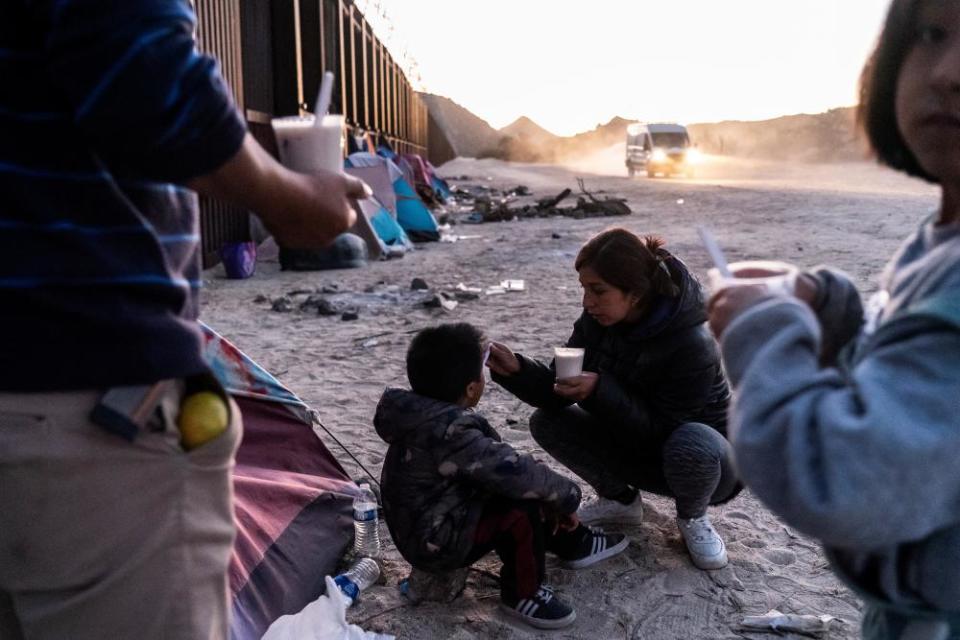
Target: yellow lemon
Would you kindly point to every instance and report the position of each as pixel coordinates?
(203, 417)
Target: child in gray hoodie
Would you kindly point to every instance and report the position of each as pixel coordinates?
(861, 450)
(453, 490)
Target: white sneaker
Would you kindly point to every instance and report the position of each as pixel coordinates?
(703, 542)
(605, 511)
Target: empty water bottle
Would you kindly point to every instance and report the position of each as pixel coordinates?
(366, 524)
(361, 575)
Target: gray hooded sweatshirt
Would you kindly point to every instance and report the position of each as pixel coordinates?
(863, 457)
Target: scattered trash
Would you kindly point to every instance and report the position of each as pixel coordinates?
(494, 291)
(300, 292)
(350, 315)
(773, 620)
(323, 619)
(441, 301)
(419, 284)
(680, 201)
(260, 299)
(370, 343)
(463, 296)
(330, 288)
(513, 285)
(462, 287)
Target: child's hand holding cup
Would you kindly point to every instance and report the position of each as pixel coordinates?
(773, 277)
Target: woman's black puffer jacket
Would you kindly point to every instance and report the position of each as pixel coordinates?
(655, 375)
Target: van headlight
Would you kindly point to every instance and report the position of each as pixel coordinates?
(658, 155)
(694, 156)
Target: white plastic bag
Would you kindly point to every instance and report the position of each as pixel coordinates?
(323, 619)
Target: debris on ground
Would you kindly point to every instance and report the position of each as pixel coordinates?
(773, 620)
(419, 284)
(282, 305)
(485, 204)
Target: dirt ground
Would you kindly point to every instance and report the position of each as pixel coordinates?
(852, 216)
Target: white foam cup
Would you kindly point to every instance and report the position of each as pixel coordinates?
(781, 281)
(568, 361)
(307, 147)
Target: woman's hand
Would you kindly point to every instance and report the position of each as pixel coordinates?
(578, 388)
(502, 361)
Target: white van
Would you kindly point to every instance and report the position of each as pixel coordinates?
(660, 148)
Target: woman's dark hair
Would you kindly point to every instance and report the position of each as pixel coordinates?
(443, 360)
(628, 262)
(876, 113)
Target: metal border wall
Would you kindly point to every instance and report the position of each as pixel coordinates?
(273, 54)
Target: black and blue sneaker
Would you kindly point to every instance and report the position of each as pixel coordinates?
(543, 611)
(595, 545)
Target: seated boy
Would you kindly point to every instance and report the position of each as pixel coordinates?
(453, 491)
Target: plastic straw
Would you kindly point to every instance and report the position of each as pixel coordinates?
(323, 97)
(716, 253)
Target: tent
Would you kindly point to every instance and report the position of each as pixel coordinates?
(292, 499)
(412, 213)
(392, 237)
(439, 184)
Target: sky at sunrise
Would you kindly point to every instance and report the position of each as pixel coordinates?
(572, 64)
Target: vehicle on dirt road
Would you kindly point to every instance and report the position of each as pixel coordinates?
(660, 148)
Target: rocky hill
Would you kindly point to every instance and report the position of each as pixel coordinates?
(470, 136)
(823, 137)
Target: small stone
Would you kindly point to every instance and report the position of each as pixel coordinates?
(419, 284)
(329, 288)
(436, 587)
(282, 305)
(300, 292)
(555, 235)
(260, 299)
(350, 315)
(326, 308)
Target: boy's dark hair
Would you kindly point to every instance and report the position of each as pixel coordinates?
(628, 262)
(876, 113)
(443, 360)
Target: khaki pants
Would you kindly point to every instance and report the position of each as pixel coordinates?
(110, 539)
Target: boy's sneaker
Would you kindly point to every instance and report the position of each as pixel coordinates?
(544, 610)
(596, 546)
(703, 542)
(606, 511)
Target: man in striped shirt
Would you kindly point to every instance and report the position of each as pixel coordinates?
(110, 120)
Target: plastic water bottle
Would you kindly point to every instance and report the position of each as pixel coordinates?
(366, 524)
(361, 575)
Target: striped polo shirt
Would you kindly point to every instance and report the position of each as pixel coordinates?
(105, 108)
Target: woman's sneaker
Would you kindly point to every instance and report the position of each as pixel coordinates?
(543, 611)
(703, 542)
(597, 545)
(606, 511)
